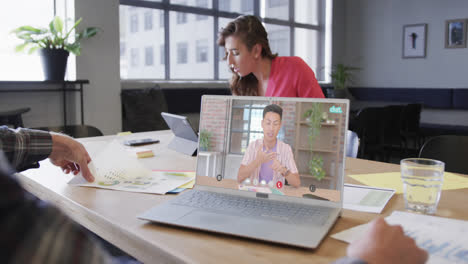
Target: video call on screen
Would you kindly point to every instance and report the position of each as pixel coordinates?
(297, 149)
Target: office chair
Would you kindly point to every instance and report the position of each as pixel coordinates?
(369, 128)
(76, 131)
(141, 110)
(13, 118)
(352, 144)
(451, 149)
(378, 129)
(391, 122)
(409, 130)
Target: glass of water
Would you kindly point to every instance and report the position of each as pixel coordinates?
(422, 184)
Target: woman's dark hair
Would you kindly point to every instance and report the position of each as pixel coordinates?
(250, 31)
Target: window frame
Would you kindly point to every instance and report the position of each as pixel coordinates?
(166, 6)
(250, 107)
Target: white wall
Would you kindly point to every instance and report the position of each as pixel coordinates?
(99, 62)
(373, 41)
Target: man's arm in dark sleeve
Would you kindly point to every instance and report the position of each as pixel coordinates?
(33, 231)
(25, 147)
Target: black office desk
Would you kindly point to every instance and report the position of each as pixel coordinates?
(63, 86)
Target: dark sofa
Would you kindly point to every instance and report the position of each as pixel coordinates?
(444, 109)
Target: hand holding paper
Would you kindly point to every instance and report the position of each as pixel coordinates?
(383, 243)
(445, 239)
(114, 168)
(114, 164)
(70, 155)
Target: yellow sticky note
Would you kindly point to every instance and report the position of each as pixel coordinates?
(124, 133)
(392, 180)
(188, 185)
(145, 154)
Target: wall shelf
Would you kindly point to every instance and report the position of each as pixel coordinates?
(322, 123)
(304, 175)
(325, 145)
(316, 150)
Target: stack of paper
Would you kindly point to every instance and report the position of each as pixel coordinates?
(113, 168)
(365, 198)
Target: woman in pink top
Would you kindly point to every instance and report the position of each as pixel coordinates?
(256, 70)
(269, 160)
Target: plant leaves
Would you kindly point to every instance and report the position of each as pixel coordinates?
(33, 49)
(52, 37)
(21, 47)
(74, 26)
(24, 36)
(31, 30)
(74, 48)
(58, 25)
(342, 75)
(89, 32)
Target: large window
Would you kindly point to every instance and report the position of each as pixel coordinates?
(188, 29)
(143, 59)
(13, 14)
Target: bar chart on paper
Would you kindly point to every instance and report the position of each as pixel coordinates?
(446, 240)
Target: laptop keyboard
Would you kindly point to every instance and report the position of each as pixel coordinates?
(257, 208)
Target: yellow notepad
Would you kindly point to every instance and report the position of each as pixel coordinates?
(392, 180)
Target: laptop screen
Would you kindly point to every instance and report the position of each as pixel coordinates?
(276, 146)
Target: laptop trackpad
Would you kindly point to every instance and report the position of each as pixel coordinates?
(166, 214)
(230, 224)
(200, 218)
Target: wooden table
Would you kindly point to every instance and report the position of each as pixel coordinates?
(112, 215)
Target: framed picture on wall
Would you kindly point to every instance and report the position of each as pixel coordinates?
(414, 41)
(455, 33)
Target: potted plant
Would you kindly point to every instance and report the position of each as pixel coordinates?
(205, 140)
(316, 167)
(314, 116)
(342, 76)
(54, 44)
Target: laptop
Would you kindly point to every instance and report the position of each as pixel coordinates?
(185, 139)
(293, 197)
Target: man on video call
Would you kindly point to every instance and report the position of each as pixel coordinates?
(269, 160)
